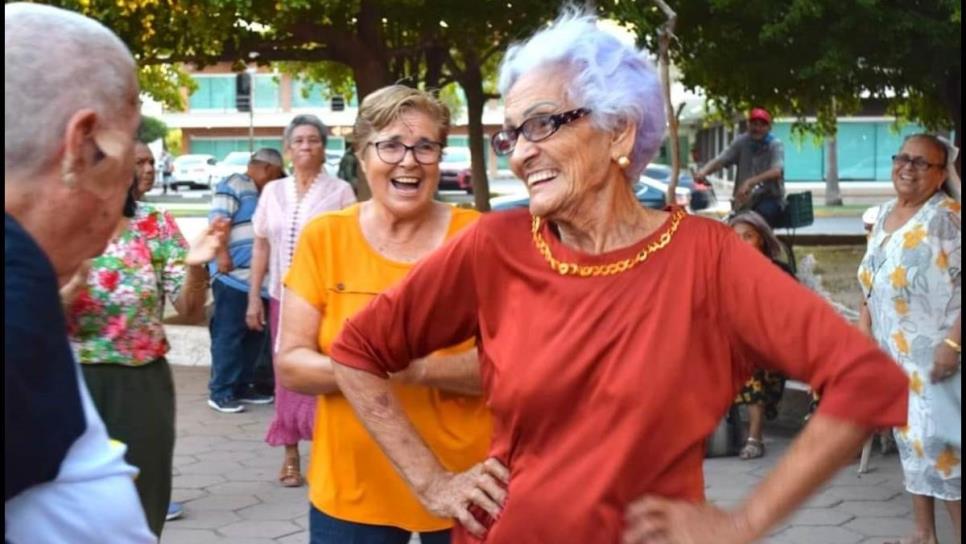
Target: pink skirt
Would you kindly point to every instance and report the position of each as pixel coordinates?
(294, 412)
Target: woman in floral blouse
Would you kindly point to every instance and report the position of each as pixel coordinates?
(911, 276)
(114, 322)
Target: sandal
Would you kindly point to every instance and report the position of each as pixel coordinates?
(290, 476)
(753, 449)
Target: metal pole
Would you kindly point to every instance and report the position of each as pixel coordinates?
(251, 111)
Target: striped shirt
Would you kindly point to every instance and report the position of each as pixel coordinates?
(235, 199)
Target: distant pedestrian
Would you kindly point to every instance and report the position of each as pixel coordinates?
(349, 167)
(167, 170)
(236, 348)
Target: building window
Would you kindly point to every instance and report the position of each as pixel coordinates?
(306, 94)
(215, 92)
(266, 92)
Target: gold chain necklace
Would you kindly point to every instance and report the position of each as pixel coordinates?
(610, 269)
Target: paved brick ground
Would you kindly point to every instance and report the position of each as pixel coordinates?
(226, 476)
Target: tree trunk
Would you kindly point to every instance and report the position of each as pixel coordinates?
(666, 33)
(833, 195)
(471, 80)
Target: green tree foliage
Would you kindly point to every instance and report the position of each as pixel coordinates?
(818, 57)
(151, 129)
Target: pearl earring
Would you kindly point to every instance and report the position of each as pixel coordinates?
(623, 161)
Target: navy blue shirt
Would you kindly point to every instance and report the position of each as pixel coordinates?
(42, 411)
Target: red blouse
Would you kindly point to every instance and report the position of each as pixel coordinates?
(604, 388)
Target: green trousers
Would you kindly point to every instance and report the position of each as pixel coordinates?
(137, 406)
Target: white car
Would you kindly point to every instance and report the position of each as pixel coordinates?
(193, 170)
(682, 195)
(235, 162)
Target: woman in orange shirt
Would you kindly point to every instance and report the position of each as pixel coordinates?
(342, 261)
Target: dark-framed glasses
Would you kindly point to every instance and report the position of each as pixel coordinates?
(393, 152)
(534, 129)
(918, 164)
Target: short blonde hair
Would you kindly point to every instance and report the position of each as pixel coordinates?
(383, 107)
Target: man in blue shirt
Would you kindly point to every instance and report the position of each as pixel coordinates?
(235, 348)
(68, 163)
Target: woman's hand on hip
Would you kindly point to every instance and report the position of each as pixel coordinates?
(452, 495)
(946, 363)
(656, 520)
(255, 315)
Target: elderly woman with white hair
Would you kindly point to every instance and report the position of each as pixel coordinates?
(611, 337)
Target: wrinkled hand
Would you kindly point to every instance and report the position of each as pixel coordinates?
(255, 314)
(656, 520)
(206, 246)
(77, 283)
(452, 495)
(946, 363)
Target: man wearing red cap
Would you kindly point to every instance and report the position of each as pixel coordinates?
(760, 159)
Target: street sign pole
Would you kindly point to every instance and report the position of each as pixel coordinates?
(251, 112)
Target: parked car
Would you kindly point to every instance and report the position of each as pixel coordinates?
(193, 170)
(701, 195)
(647, 194)
(455, 170)
(235, 162)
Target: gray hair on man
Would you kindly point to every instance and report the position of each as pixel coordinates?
(615, 81)
(57, 62)
(306, 119)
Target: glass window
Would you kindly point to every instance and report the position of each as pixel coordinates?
(804, 157)
(855, 143)
(317, 94)
(215, 92)
(266, 92)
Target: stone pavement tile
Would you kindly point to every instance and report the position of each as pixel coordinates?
(197, 481)
(183, 494)
(819, 516)
(223, 502)
(202, 519)
(896, 507)
(819, 535)
(174, 535)
(280, 511)
(881, 492)
(880, 527)
(253, 474)
(210, 467)
(260, 529)
(240, 488)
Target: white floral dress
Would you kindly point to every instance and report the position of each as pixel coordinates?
(912, 282)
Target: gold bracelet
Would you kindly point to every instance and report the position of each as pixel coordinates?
(953, 344)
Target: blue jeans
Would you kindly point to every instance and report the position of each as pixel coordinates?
(770, 208)
(325, 529)
(234, 347)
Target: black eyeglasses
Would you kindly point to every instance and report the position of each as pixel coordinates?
(534, 129)
(393, 152)
(918, 164)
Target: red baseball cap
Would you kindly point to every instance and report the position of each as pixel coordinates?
(761, 114)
